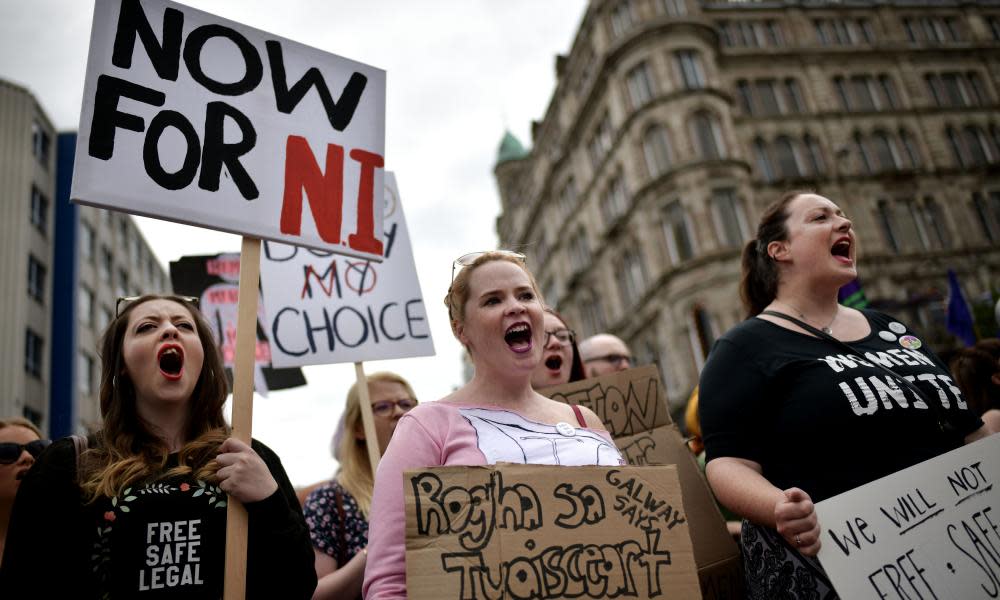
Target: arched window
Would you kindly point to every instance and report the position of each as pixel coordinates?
(961, 159)
(656, 148)
(593, 314)
(631, 277)
(885, 152)
(863, 155)
(763, 160)
(707, 135)
(978, 145)
(815, 154)
(912, 150)
(680, 242)
(788, 164)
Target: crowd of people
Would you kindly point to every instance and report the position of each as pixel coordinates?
(141, 504)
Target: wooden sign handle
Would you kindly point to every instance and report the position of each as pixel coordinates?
(234, 586)
(367, 418)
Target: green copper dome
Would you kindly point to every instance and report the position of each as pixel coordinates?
(510, 149)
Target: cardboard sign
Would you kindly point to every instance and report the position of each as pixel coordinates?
(930, 531)
(192, 118)
(532, 531)
(633, 407)
(214, 280)
(325, 309)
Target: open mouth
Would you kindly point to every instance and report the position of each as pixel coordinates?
(842, 249)
(171, 361)
(554, 362)
(518, 337)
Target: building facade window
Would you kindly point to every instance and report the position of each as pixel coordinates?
(864, 156)
(567, 198)
(987, 208)
(751, 34)
(934, 224)
(640, 85)
(994, 23)
(888, 224)
(843, 32)
(86, 306)
(787, 159)
(934, 30)
(593, 315)
(912, 149)
(689, 66)
(745, 96)
(87, 242)
(886, 154)
(730, 219)
(815, 154)
(793, 93)
(680, 242)
(767, 96)
(623, 18)
(34, 350)
(579, 250)
(956, 90)
(707, 136)
(103, 318)
(763, 159)
(39, 214)
(600, 142)
(705, 333)
(631, 277)
(615, 201)
(41, 144)
(36, 279)
(104, 266)
(657, 150)
(674, 8)
(85, 374)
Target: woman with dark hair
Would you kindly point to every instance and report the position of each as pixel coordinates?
(142, 506)
(561, 362)
(496, 313)
(791, 417)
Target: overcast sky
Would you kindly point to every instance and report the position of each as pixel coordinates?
(459, 73)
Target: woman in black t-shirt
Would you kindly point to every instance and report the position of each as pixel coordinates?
(141, 512)
(790, 419)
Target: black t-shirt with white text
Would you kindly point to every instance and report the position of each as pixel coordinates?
(822, 420)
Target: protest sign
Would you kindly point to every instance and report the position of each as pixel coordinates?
(633, 407)
(929, 531)
(192, 118)
(214, 280)
(534, 531)
(322, 308)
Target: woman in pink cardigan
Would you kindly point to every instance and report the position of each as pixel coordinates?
(496, 312)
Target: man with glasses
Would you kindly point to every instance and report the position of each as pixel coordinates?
(604, 353)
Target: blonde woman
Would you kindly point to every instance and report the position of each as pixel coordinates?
(337, 511)
(142, 511)
(20, 444)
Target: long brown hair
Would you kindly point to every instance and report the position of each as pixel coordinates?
(576, 372)
(759, 282)
(127, 450)
(355, 474)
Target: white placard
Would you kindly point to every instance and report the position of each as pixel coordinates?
(192, 118)
(323, 309)
(930, 531)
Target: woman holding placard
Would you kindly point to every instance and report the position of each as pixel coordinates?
(141, 507)
(496, 313)
(807, 398)
(337, 511)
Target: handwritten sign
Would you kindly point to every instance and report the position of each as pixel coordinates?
(323, 308)
(530, 531)
(192, 118)
(214, 280)
(930, 531)
(633, 407)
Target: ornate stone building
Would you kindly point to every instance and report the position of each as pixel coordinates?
(674, 123)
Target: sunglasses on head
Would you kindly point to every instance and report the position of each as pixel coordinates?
(10, 452)
(126, 300)
(467, 259)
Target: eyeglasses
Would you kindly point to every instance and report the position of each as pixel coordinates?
(467, 259)
(11, 451)
(563, 336)
(385, 408)
(130, 299)
(611, 358)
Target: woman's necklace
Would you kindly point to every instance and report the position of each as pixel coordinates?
(829, 327)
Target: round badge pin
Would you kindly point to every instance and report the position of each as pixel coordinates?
(910, 342)
(887, 336)
(897, 327)
(565, 429)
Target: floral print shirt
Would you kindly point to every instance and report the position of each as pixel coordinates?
(327, 531)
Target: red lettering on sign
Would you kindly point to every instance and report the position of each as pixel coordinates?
(325, 189)
(363, 239)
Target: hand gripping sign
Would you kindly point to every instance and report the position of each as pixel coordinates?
(192, 118)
